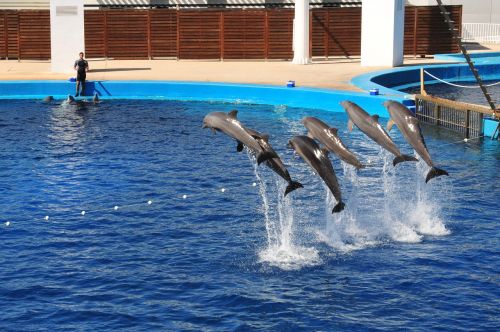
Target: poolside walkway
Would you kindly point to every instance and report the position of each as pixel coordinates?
(334, 74)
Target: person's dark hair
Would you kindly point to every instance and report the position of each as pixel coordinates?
(81, 53)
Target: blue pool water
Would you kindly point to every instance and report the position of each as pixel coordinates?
(467, 95)
(403, 255)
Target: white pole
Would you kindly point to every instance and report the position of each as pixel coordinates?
(301, 33)
(67, 37)
(382, 32)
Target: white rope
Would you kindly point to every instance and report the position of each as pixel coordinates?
(458, 85)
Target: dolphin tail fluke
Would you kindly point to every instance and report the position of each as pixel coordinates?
(292, 186)
(339, 207)
(403, 157)
(434, 172)
(266, 155)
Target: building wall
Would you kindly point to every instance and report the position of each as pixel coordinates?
(474, 11)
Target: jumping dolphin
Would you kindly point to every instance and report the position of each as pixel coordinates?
(229, 125)
(274, 163)
(317, 158)
(70, 99)
(319, 130)
(370, 126)
(409, 126)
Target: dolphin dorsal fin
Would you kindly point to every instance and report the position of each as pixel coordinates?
(333, 131)
(390, 123)
(375, 117)
(233, 114)
(350, 124)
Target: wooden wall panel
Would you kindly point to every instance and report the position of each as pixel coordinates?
(218, 34)
(244, 34)
(280, 33)
(34, 34)
(95, 34)
(127, 34)
(12, 18)
(163, 33)
(199, 34)
(433, 35)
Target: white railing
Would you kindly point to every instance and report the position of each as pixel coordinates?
(481, 32)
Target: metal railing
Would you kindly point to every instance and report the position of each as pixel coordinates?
(463, 118)
(481, 32)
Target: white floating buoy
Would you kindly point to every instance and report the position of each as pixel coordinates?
(83, 212)
(46, 218)
(150, 202)
(223, 190)
(184, 196)
(254, 184)
(116, 207)
(7, 223)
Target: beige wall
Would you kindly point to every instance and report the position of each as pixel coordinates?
(474, 11)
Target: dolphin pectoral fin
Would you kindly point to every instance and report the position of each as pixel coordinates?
(339, 207)
(265, 155)
(390, 123)
(239, 146)
(350, 124)
(233, 114)
(325, 151)
(403, 157)
(434, 172)
(292, 186)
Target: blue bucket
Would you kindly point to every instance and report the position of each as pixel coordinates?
(290, 84)
(72, 79)
(373, 92)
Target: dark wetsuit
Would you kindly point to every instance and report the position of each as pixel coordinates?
(81, 73)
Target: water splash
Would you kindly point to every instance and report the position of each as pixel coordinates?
(405, 210)
(282, 250)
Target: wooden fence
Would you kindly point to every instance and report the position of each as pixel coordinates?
(218, 33)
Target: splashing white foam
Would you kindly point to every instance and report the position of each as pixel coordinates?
(281, 251)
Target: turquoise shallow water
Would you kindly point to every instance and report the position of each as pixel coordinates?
(402, 256)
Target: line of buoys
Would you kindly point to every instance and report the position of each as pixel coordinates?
(114, 208)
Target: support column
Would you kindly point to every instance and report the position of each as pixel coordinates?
(301, 33)
(382, 32)
(67, 36)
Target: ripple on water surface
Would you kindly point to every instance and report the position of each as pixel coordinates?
(402, 255)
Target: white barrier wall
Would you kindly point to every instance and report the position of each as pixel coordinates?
(382, 32)
(67, 36)
(301, 33)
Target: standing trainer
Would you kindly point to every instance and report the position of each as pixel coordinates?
(82, 67)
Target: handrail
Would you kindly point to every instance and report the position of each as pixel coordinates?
(460, 106)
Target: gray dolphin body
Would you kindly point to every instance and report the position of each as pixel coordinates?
(274, 163)
(370, 126)
(315, 157)
(326, 135)
(409, 126)
(70, 99)
(229, 125)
